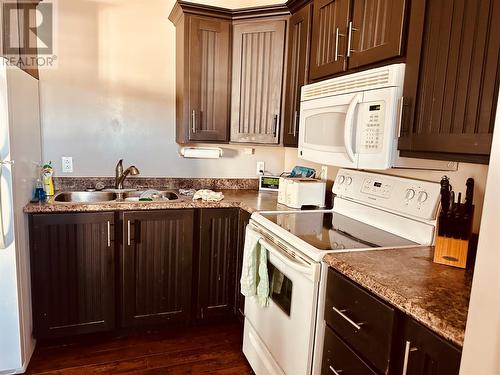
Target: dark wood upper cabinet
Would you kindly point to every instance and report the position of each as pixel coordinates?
(203, 74)
(329, 30)
(258, 57)
(452, 78)
(376, 31)
(299, 36)
(216, 273)
(425, 353)
(72, 273)
(156, 267)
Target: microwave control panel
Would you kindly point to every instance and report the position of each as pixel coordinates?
(372, 127)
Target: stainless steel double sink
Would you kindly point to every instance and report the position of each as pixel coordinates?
(106, 196)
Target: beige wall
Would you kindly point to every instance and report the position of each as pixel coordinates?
(458, 178)
(113, 94)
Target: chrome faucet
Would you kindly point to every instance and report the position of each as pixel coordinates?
(121, 175)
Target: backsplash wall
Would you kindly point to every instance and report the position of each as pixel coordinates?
(112, 95)
(477, 171)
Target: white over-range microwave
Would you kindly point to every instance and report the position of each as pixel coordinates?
(353, 121)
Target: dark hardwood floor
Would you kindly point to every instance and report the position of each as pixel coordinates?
(196, 350)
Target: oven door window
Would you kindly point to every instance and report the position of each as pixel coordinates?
(280, 288)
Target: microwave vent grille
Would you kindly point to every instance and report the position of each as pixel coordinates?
(341, 85)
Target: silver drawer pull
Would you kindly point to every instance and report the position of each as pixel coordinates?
(336, 372)
(349, 320)
(128, 232)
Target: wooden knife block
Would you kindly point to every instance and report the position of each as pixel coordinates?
(451, 252)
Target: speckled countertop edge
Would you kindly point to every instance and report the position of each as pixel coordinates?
(432, 321)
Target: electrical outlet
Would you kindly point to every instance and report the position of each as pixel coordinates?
(324, 173)
(261, 166)
(67, 164)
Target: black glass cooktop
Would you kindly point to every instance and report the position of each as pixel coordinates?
(332, 231)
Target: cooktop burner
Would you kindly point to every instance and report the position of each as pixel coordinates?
(326, 231)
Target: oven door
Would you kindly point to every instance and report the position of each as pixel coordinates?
(327, 133)
(279, 338)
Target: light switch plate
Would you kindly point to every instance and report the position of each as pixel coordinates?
(67, 164)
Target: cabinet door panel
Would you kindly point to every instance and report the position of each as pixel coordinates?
(299, 35)
(451, 82)
(156, 267)
(258, 52)
(218, 247)
(73, 278)
(377, 31)
(239, 299)
(208, 79)
(330, 21)
(427, 353)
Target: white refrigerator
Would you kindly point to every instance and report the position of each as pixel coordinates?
(20, 152)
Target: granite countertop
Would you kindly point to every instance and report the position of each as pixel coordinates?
(249, 200)
(435, 295)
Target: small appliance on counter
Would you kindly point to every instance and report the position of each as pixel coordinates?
(454, 225)
(269, 183)
(298, 192)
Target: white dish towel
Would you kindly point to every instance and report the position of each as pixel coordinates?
(254, 277)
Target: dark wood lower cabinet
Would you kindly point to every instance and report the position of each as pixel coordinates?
(72, 273)
(385, 340)
(156, 266)
(425, 353)
(161, 272)
(216, 275)
(239, 299)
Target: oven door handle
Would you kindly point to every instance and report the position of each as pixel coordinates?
(349, 125)
(285, 258)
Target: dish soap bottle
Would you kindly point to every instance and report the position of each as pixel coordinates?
(48, 181)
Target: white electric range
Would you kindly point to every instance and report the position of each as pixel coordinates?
(371, 212)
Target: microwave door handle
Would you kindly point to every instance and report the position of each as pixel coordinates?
(349, 125)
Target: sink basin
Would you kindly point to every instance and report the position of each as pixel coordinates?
(164, 195)
(85, 196)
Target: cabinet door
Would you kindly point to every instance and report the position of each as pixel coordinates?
(218, 246)
(72, 273)
(209, 71)
(239, 299)
(299, 34)
(426, 354)
(451, 82)
(258, 53)
(376, 31)
(328, 47)
(156, 267)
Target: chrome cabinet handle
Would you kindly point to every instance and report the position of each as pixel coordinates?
(349, 320)
(337, 35)
(275, 126)
(193, 121)
(349, 39)
(295, 124)
(109, 234)
(336, 372)
(128, 232)
(408, 350)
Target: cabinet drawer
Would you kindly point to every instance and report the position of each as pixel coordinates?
(362, 320)
(339, 359)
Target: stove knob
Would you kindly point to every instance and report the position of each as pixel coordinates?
(341, 180)
(348, 180)
(422, 197)
(410, 194)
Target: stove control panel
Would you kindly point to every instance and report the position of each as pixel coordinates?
(398, 194)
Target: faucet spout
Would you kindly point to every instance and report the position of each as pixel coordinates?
(121, 175)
